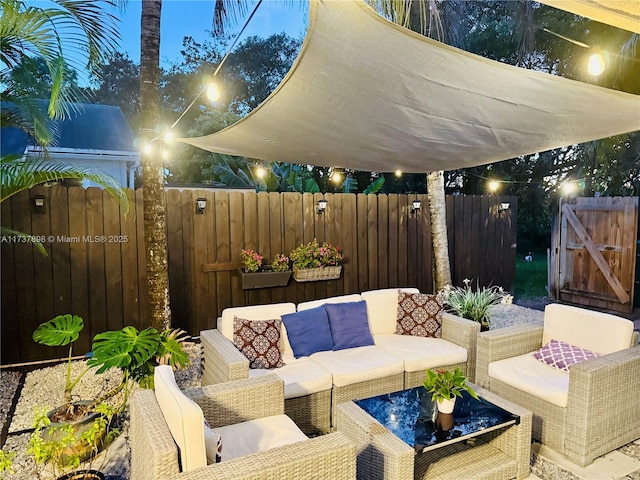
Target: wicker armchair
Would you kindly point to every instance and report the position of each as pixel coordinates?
(155, 456)
(603, 401)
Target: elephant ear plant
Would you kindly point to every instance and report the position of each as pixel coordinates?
(135, 353)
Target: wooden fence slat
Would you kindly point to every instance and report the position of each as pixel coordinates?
(236, 238)
(363, 242)
(61, 282)
(113, 262)
(96, 257)
(383, 241)
(21, 212)
(393, 250)
(130, 295)
(42, 266)
(10, 338)
(175, 252)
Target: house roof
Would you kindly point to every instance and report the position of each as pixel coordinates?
(92, 127)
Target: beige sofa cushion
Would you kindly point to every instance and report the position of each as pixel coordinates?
(534, 377)
(184, 418)
(354, 297)
(301, 376)
(258, 435)
(601, 333)
(420, 353)
(257, 312)
(359, 364)
(382, 308)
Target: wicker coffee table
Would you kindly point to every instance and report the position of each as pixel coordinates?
(400, 437)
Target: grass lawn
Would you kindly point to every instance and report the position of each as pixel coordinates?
(531, 278)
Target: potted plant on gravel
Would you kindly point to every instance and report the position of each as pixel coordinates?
(313, 262)
(445, 386)
(255, 275)
(79, 428)
(474, 305)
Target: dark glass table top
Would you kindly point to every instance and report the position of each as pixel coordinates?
(413, 417)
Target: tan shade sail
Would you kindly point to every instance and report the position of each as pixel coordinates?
(367, 94)
(623, 14)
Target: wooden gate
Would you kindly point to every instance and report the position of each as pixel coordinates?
(593, 252)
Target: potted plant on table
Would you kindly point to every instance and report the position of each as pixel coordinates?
(445, 386)
(79, 429)
(474, 305)
(256, 275)
(313, 262)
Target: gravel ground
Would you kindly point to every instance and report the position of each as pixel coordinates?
(44, 387)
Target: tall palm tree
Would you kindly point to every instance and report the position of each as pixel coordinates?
(155, 223)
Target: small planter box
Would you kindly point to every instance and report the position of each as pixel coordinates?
(264, 279)
(316, 274)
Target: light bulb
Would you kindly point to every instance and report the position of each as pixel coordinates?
(398, 173)
(168, 137)
(336, 177)
(569, 187)
(596, 64)
(147, 148)
(261, 172)
(212, 92)
(493, 185)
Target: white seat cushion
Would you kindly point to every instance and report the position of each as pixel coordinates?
(257, 312)
(360, 364)
(301, 376)
(184, 418)
(534, 377)
(599, 332)
(420, 353)
(354, 297)
(258, 435)
(382, 309)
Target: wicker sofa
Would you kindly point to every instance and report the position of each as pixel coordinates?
(155, 454)
(586, 412)
(316, 384)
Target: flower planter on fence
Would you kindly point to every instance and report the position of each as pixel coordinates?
(264, 279)
(316, 274)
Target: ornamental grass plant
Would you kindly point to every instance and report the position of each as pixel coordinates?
(474, 305)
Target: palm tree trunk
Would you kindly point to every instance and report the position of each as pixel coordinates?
(155, 232)
(438, 215)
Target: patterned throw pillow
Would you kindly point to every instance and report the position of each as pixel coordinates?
(562, 355)
(213, 444)
(259, 341)
(419, 314)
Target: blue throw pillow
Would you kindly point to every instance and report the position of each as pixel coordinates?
(308, 331)
(349, 324)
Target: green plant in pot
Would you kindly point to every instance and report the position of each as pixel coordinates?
(62, 446)
(134, 353)
(445, 386)
(474, 305)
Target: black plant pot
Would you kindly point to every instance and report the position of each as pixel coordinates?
(83, 475)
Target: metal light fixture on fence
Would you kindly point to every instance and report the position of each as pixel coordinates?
(38, 204)
(201, 205)
(504, 206)
(416, 205)
(321, 207)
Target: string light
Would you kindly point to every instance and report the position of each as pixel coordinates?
(336, 176)
(213, 93)
(596, 64)
(398, 173)
(493, 186)
(261, 172)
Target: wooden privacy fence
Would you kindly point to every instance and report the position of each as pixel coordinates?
(95, 266)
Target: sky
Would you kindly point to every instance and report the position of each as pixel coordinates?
(180, 18)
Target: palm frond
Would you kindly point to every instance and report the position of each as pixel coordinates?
(18, 174)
